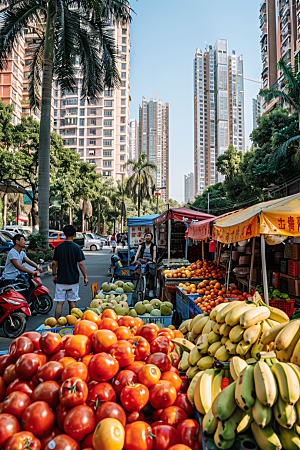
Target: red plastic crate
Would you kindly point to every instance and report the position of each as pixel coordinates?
(293, 268)
(288, 306)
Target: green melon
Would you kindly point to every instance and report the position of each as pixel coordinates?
(119, 291)
(126, 288)
(106, 287)
(155, 312)
(140, 308)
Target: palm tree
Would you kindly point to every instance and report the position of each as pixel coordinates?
(288, 90)
(141, 184)
(65, 31)
(121, 193)
(104, 194)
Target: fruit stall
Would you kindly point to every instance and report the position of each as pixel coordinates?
(137, 227)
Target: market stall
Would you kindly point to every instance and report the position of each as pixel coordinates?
(137, 227)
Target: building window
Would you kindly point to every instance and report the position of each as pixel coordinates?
(62, 113)
(93, 131)
(123, 101)
(123, 83)
(106, 163)
(92, 152)
(122, 148)
(107, 123)
(122, 129)
(92, 112)
(93, 122)
(82, 102)
(55, 113)
(122, 138)
(107, 143)
(81, 131)
(106, 152)
(55, 123)
(107, 133)
(123, 119)
(92, 161)
(55, 103)
(123, 111)
(81, 142)
(124, 31)
(108, 113)
(123, 92)
(123, 66)
(123, 75)
(71, 101)
(92, 141)
(81, 122)
(122, 157)
(121, 168)
(72, 111)
(106, 173)
(82, 112)
(108, 93)
(107, 102)
(124, 40)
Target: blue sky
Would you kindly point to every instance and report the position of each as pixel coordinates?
(164, 38)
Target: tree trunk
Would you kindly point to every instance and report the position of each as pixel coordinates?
(4, 209)
(70, 216)
(99, 215)
(34, 211)
(44, 144)
(82, 219)
(61, 215)
(114, 226)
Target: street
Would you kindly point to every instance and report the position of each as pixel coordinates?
(96, 265)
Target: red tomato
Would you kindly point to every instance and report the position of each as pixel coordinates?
(5, 361)
(122, 379)
(15, 403)
(175, 359)
(134, 397)
(38, 418)
(73, 392)
(183, 402)
(140, 348)
(48, 391)
(102, 340)
(166, 332)
(178, 334)
(109, 314)
(19, 347)
(164, 436)
(34, 336)
(22, 441)
(102, 392)
(108, 324)
(179, 447)
(122, 352)
(188, 431)
(156, 414)
(2, 388)
(127, 321)
(27, 365)
(9, 374)
(185, 384)
(43, 358)
(160, 360)
(77, 369)
(148, 331)
(58, 355)
(8, 427)
(160, 344)
(65, 339)
(138, 436)
(85, 327)
(174, 370)
(22, 386)
(91, 316)
(87, 442)
(109, 435)
(135, 366)
(50, 371)
(102, 367)
(79, 422)
(50, 343)
(46, 439)
(112, 410)
(86, 359)
(62, 442)
(173, 415)
(174, 378)
(134, 417)
(123, 333)
(60, 414)
(67, 360)
(162, 395)
(149, 375)
(78, 346)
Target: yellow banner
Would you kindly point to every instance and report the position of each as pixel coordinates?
(287, 224)
(94, 289)
(236, 233)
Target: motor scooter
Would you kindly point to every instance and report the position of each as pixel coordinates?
(37, 295)
(13, 311)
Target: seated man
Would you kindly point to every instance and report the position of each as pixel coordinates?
(147, 250)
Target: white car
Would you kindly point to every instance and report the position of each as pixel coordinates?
(92, 242)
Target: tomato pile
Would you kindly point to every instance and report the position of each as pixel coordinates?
(112, 385)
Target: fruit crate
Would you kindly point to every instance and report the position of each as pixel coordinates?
(182, 307)
(284, 266)
(194, 309)
(182, 293)
(62, 331)
(292, 251)
(161, 321)
(294, 268)
(288, 306)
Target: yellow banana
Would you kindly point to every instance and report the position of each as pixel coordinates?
(254, 316)
(205, 363)
(213, 348)
(245, 391)
(191, 388)
(237, 364)
(266, 437)
(207, 327)
(184, 344)
(251, 334)
(215, 311)
(194, 321)
(265, 384)
(242, 348)
(203, 391)
(284, 414)
(184, 326)
(258, 347)
(194, 356)
(230, 347)
(192, 371)
(184, 362)
(270, 335)
(286, 335)
(287, 381)
(224, 340)
(224, 329)
(216, 328)
(217, 384)
(222, 354)
(213, 337)
(222, 314)
(288, 438)
(278, 315)
(199, 325)
(236, 334)
(233, 316)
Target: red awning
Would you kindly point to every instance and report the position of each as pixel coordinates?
(179, 214)
(201, 230)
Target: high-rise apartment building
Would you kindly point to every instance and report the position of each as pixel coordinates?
(256, 110)
(154, 139)
(218, 110)
(189, 187)
(268, 41)
(133, 140)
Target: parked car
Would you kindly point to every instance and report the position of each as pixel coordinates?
(9, 234)
(5, 243)
(18, 229)
(57, 237)
(92, 242)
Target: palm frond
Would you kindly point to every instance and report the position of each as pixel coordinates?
(292, 84)
(34, 81)
(281, 151)
(272, 94)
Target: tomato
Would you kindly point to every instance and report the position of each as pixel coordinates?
(109, 314)
(92, 317)
(134, 416)
(85, 328)
(178, 334)
(62, 442)
(9, 374)
(108, 324)
(122, 379)
(149, 375)
(174, 359)
(15, 403)
(60, 414)
(65, 339)
(161, 360)
(43, 358)
(48, 391)
(78, 346)
(173, 415)
(50, 343)
(86, 359)
(135, 366)
(167, 332)
(66, 360)
(188, 431)
(134, 397)
(185, 384)
(2, 388)
(46, 439)
(127, 321)
(102, 340)
(22, 441)
(50, 371)
(162, 395)
(122, 352)
(8, 427)
(138, 436)
(156, 414)
(112, 410)
(140, 348)
(102, 392)
(102, 367)
(21, 385)
(160, 344)
(79, 422)
(148, 331)
(179, 447)
(34, 336)
(19, 347)
(58, 355)
(123, 333)
(77, 369)
(109, 435)
(38, 418)
(164, 436)
(73, 392)
(5, 361)
(184, 403)
(87, 442)
(27, 365)
(174, 370)
(174, 378)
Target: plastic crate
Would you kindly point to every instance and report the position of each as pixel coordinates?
(3, 352)
(293, 268)
(181, 292)
(194, 309)
(161, 321)
(62, 331)
(284, 266)
(182, 308)
(288, 306)
(125, 272)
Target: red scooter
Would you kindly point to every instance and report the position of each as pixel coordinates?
(37, 295)
(13, 311)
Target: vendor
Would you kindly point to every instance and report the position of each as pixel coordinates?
(147, 250)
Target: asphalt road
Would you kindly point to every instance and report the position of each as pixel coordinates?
(96, 264)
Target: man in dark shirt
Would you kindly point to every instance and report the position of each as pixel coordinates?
(66, 259)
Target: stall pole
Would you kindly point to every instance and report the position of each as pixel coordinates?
(220, 247)
(264, 268)
(169, 242)
(128, 243)
(202, 249)
(252, 264)
(229, 265)
(186, 247)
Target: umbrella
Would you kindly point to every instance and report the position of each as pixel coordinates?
(8, 188)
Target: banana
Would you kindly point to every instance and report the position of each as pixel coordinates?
(194, 356)
(222, 354)
(245, 391)
(278, 315)
(184, 344)
(295, 358)
(213, 348)
(251, 361)
(216, 328)
(209, 423)
(194, 320)
(253, 316)
(221, 443)
(202, 343)
(213, 337)
(251, 334)
(178, 350)
(224, 329)
(237, 364)
(184, 362)
(203, 391)
(258, 346)
(287, 354)
(236, 334)
(217, 384)
(205, 363)
(286, 335)
(191, 388)
(230, 347)
(233, 316)
(284, 414)
(261, 414)
(183, 327)
(76, 312)
(199, 325)
(215, 311)
(228, 428)
(297, 406)
(192, 371)
(246, 421)
(265, 384)
(192, 337)
(224, 404)
(242, 348)
(289, 439)
(222, 314)
(266, 437)
(287, 382)
(224, 340)
(296, 369)
(271, 334)
(207, 327)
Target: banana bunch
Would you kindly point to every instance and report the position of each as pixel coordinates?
(286, 338)
(76, 313)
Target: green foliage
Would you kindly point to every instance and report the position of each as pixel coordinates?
(36, 255)
(35, 241)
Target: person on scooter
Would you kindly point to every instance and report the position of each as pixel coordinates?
(15, 258)
(147, 250)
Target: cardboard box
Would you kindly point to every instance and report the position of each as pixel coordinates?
(294, 287)
(276, 280)
(285, 282)
(292, 251)
(294, 268)
(245, 260)
(284, 266)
